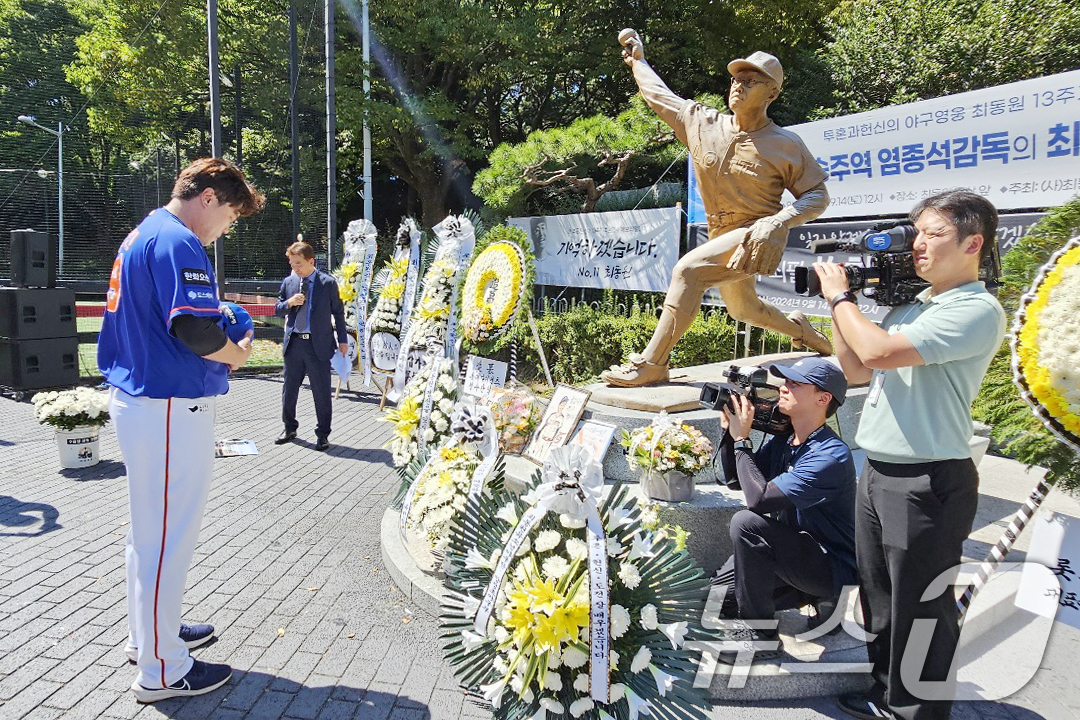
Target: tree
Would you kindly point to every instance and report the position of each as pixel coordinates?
(586, 158)
(885, 53)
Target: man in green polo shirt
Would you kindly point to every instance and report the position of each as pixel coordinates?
(918, 492)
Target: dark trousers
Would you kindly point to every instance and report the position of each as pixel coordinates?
(774, 567)
(300, 360)
(910, 524)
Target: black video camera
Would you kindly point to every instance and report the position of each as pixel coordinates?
(752, 383)
(889, 276)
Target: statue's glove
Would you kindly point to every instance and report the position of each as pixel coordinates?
(761, 250)
(633, 47)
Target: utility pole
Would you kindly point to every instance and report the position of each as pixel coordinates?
(366, 41)
(215, 116)
(331, 140)
(294, 122)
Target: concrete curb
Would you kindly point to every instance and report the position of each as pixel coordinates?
(423, 591)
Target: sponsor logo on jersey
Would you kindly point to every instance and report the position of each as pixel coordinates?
(200, 295)
(199, 407)
(195, 277)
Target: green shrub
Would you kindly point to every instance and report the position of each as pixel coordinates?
(582, 343)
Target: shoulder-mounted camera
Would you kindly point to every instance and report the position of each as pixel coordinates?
(888, 273)
(753, 383)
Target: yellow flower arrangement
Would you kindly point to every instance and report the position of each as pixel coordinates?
(493, 290)
(1047, 346)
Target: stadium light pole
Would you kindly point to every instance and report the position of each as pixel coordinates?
(59, 133)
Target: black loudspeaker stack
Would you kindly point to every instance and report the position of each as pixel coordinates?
(39, 344)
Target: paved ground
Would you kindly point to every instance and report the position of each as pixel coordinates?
(288, 569)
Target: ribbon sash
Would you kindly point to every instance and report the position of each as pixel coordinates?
(599, 610)
(429, 392)
(468, 241)
(363, 332)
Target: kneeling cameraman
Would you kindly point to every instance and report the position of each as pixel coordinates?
(795, 545)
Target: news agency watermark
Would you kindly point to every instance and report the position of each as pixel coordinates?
(1001, 643)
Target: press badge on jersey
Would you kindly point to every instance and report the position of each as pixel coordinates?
(875, 387)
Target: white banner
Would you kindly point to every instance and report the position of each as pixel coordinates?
(625, 250)
(1017, 144)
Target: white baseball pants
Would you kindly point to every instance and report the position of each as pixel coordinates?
(168, 449)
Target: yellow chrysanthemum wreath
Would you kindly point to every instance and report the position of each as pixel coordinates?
(1046, 344)
(493, 291)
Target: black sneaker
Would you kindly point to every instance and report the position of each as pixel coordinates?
(752, 643)
(861, 705)
(192, 635)
(201, 679)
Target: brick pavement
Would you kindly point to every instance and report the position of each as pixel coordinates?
(288, 568)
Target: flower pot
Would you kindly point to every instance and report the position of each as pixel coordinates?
(79, 447)
(672, 486)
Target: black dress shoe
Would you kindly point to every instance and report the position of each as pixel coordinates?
(322, 445)
(285, 437)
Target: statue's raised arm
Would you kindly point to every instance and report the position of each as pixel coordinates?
(743, 162)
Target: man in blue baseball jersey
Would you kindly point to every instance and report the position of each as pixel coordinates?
(167, 358)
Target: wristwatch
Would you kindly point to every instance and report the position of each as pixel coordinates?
(846, 296)
(745, 444)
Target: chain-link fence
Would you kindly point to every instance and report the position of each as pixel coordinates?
(107, 191)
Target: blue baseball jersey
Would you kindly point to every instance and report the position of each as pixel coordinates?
(161, 271)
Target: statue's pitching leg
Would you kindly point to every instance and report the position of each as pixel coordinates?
(697, 271)
(742, 302)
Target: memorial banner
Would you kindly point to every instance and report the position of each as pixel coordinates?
(623, 250)
(1017, 144)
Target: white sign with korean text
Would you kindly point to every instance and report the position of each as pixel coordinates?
(1054, 544)
(482, 374)
(1017, 144)
(624, 250)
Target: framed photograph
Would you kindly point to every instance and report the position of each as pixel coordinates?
(595, 437)
(558, 423)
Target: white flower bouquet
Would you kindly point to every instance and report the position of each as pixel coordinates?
(405, 443)
(387, 314)
(431, 314)
(69, 409)
(441, 493)
(521, 631)
(665, 445)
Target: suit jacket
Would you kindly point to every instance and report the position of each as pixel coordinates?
(325, 302)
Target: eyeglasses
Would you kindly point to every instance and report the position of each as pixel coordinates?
(748, 82)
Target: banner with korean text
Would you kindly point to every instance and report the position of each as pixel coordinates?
(1016, 144)
(623, 250)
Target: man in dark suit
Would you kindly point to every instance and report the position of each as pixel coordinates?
(307, 299)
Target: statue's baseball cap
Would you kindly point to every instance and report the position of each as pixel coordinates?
(819, 372)
(761, 61)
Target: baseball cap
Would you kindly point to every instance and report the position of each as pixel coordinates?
(235, 320)
(762, 61)
(817, 371)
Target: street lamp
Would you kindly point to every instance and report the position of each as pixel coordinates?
(59, 133)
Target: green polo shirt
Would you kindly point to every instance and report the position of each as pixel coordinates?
(919, 414)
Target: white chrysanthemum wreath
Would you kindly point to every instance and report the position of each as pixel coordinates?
(1046, 344)
(562, 604)
(494, 287)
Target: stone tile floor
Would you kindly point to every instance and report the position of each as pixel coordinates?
(288, 568)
